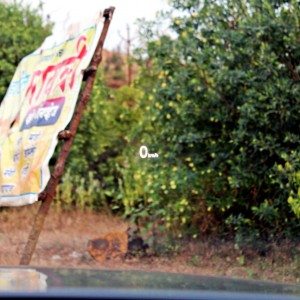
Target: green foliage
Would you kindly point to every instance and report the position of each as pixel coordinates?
(100, 147)
(22, 31)
(223, 105)
(78, 191)
(219, 101)
(293, 185)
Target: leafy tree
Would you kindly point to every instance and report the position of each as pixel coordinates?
(22, 31)
(223, 100)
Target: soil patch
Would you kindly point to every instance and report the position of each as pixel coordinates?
(63, 243)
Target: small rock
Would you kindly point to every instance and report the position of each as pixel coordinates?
(136, 244)
(86, 258)
(56, 257)
(112, 246)
(75, 254)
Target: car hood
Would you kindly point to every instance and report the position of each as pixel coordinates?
(46, 280)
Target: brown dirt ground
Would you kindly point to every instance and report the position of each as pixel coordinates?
(63, 243)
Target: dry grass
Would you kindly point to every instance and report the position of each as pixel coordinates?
(63, 240)
(63, 243)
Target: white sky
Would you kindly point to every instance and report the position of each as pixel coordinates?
(127, 11)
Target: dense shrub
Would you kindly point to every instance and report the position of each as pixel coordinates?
(223, 97)
(99, 151)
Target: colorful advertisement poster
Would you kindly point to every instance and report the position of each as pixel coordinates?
(39, 103)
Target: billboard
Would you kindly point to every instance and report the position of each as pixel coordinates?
(39, 103)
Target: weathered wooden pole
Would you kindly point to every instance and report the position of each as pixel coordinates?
(48, 194)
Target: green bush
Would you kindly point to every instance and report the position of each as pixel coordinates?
(223, 104)
(100, 148)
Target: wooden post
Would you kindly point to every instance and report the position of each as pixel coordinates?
(129, 66)
(48, 194)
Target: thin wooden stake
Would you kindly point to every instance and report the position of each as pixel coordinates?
(48, 194)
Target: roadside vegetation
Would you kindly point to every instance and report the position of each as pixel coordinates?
(219, 101)
(220, 104)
